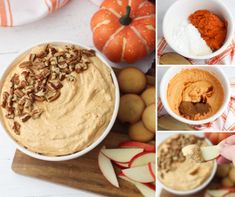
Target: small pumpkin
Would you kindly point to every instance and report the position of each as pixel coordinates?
(124, 30)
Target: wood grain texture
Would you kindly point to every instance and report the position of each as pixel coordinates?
(164, 193)
(81, 173)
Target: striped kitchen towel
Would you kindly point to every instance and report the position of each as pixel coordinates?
(19, 12)
(227, 57)
(226, 122)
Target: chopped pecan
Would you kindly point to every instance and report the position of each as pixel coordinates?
(25, 117)
(5, 96)
(19, 93)
(36, 113)
(25, 64)
(88, 53)
(39, 98)
(15, 79)
(32, 57)
(16, 128)
(55, 96)
(10, 116)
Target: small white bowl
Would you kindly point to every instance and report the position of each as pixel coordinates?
(94, 144)
(182, 9)
(198, 189)
(217, 72)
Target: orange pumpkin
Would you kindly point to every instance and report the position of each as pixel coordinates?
(124, 30)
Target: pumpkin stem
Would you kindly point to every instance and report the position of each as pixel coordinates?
(126, 19)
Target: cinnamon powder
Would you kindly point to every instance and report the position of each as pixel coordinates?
(212, 29)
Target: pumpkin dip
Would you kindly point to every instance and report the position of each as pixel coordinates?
(57, 99)
(211, 27)
(175, 170)
(195, 94)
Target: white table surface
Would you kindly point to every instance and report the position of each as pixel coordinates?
(70, 23)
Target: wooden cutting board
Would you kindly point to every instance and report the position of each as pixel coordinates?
(81, 173)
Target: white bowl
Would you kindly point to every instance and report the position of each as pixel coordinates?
(182, 9)
(198, 189)
(217, 72)
(94, 144)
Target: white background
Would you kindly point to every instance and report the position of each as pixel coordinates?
(70, 23)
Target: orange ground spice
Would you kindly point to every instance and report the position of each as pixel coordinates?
(212, 29)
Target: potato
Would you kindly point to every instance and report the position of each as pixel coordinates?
(223, 170)
(149, 96)
(149, 118)
(232, 174)
(227, 182)
(139, 133)
(131, 108)
(131, 80)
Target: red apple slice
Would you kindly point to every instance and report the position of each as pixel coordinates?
(142, 159)
(151, 186)
(121, 154)
(133, 144)
(217, 193)
(210, 152)
(151, 167)
(122, 165)
(145, 189)
(139, 174)
(107, 170)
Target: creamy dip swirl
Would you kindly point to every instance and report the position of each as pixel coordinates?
(76, 119)
(190, 85)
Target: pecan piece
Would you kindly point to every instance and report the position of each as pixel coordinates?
(88, 53)
(16, 128)
(15, 79)
(25, 64)
(36, 113)
(39, 98)
(25, 117)
(19, 93)
(5, 96)
(55, 96)
(32, 57)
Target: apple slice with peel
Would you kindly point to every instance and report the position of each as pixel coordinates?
(151, 167)
(146, 190)
(142, 159)
(122, 165)
(121, 154)
(139, 174)
(107, 169)
(217, 193)
(133, 144)
(210, 152)
(201, 154)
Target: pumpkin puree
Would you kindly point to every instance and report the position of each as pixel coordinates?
(212, 29)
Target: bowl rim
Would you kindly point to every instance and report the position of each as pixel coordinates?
(203, 57)
(166, 80)
(202, 186)
(98, 140)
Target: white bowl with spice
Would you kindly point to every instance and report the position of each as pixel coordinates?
(59, 100)
(194, 40)
(195, 95)
(179, 175)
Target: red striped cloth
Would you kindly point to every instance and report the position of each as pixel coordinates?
(227, 57)
(19, 12)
